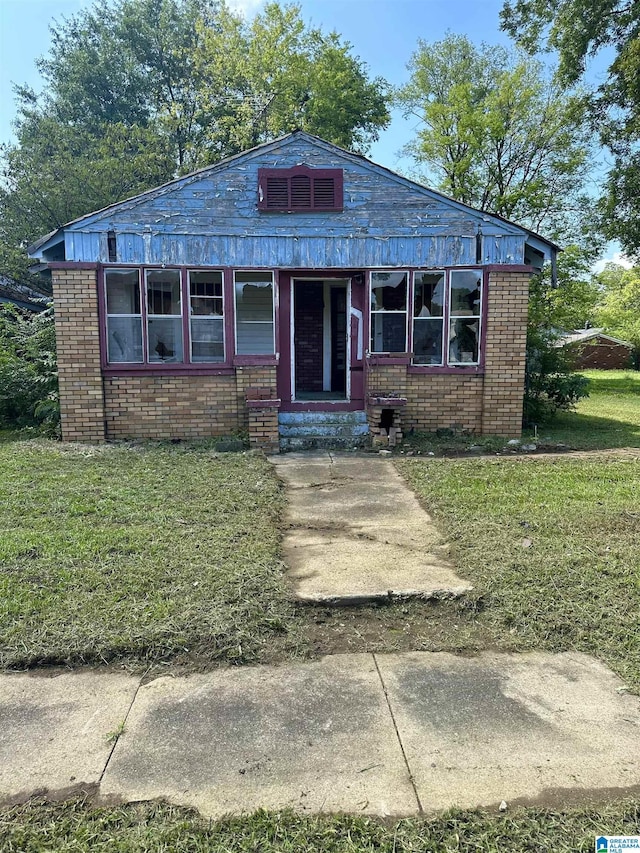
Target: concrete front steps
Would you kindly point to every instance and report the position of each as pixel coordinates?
(322, 430)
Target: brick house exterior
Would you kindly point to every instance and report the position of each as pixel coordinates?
(295, 280)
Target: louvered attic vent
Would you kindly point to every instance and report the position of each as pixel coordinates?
(299, 188)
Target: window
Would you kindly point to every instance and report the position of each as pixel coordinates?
(206, 312)
(254, 313)
(164, 316)
(447, 317)
(389, 311)
(428, 317)
(124, 317)
(300, 188)
(465, 298)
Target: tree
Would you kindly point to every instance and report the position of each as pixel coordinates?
(140, 91)
(619, 308)
(61, 172)
(579, 30)
(498, 134)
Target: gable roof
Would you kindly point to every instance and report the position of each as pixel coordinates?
(54, 237)
(579, 336)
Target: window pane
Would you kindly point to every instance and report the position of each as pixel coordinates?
(165, 339)
(388, 332)
(254, 314)
(124, 339)
(389, 291)
(205, 290)
(429, 294)
(163, 292)
(427, 341)
(465, 293)
(463, 341)
(123, 291)
(207, 340)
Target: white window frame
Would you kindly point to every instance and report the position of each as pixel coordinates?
(222, 318)
(139, 316)
(149, 315)
(443, 318)
(373, 273)
(236, 273)
(449, 316)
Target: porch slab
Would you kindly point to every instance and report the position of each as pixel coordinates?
(537, 728)
(316, 737)
(356, 532)
(54, 731)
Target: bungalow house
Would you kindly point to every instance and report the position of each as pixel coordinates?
(293, 290)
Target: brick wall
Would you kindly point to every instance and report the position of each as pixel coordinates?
(505, 353)
(160, 407)
(309, 334)
(489, 404)
(75, 296)
(600, 354)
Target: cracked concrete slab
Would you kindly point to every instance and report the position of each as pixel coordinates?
(314, 737)
(528, 727)
(54, 730)
(355, 531)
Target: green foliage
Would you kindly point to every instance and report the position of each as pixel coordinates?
(549, 383)
(619, 308)
(28, 374)
(78, 826)
(498, 134)
(139, 91)
(578, 30)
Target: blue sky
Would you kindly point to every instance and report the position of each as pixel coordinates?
(383, 33)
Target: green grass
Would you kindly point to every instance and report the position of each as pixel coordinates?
(138, 552)
(552, 547)
(74, 827)
(608, 418)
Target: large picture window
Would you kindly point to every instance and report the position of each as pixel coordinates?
(254, 313)
(389, 312)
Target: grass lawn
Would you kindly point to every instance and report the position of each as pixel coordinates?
(552, 547)
(170, 553)
(609, 417)
(138, 552)
(149, 828)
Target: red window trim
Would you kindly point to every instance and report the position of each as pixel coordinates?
(407, 358)
(265, 175)
(213, 368)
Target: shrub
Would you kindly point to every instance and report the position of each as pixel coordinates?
(28, 372)
(549, 383)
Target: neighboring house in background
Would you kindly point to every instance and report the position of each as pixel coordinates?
(593, 349)
(296, 290)
(13, 293)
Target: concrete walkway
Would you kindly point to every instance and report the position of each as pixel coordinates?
(385, 734)
(355, 532)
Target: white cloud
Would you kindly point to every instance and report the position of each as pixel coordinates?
(614, 258)
(247, 8)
